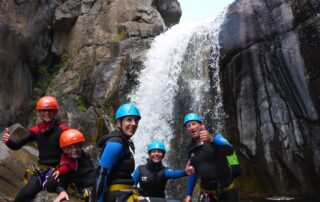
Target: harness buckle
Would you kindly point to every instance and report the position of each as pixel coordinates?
(86, 194)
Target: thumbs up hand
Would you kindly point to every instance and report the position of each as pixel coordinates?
(204, 135)
(6, 136)
(189, 169)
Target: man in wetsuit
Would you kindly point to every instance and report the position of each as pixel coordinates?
(208, 155)
(46, 134)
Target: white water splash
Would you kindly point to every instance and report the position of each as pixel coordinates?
(158, 81)
(204, 53)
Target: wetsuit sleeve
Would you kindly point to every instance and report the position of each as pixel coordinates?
(192, 180)
(62, 183)
(136, 176)
(17, 144)
(223, 143)
(66, 164)
(111, 154)
(64, 169)
(174, 174)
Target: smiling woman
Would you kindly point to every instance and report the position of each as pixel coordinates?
(116, 160)
(194, 10)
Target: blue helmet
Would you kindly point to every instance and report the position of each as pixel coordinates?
(127, 109)
(191, 117)
(156, 144)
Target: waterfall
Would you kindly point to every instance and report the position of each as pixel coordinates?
(187, 52)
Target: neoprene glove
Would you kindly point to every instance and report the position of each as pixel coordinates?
(220, 140)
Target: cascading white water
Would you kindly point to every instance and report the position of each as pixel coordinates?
(158, 81)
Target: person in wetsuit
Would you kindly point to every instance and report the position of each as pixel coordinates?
(46, 134)
(114, 181)
(208, 155)
(75, 167)
(153, 176)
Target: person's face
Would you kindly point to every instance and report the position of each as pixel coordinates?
(73, 151)
(156, 155)
(128, 124)
(48, 115)
(193, 128)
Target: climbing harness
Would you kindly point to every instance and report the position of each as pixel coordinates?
(213, 195)
(134, 197)
(40, 171)
(83, 195)
(86, 195)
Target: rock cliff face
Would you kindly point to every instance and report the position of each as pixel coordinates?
(24, 43)
(271, 78)
(88, 53)
(85, 52)
(80, 49)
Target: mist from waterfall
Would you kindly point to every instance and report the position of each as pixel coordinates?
(181, 48)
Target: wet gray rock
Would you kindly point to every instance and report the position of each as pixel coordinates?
(92, 51)
(271, 94)
(24, 42)
(66, 14)
(170, 11)
(13, 164)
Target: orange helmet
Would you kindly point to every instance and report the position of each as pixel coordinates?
(47, 102)
(70, 136)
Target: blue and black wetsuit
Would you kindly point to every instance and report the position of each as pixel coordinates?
(115, 167)
(153, 178)
(211, 166)
(47, 138)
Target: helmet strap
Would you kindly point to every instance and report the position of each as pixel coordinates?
(120, 128)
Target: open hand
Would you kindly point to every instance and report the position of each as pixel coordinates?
(62, 196)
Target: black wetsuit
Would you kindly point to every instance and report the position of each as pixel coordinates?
(153, 178)
(83, 177)
(211, 166)
(49, 153)
(114, 168)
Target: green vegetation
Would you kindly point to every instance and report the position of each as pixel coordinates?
(65, 65)
(82, 107)
(43, 79)
(120, 36)
(44, 73)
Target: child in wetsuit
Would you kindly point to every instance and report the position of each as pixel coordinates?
(153, 176)
(76, 167)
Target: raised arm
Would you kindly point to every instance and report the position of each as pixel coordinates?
(175, 174)
(219, 140)
(16, 144)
